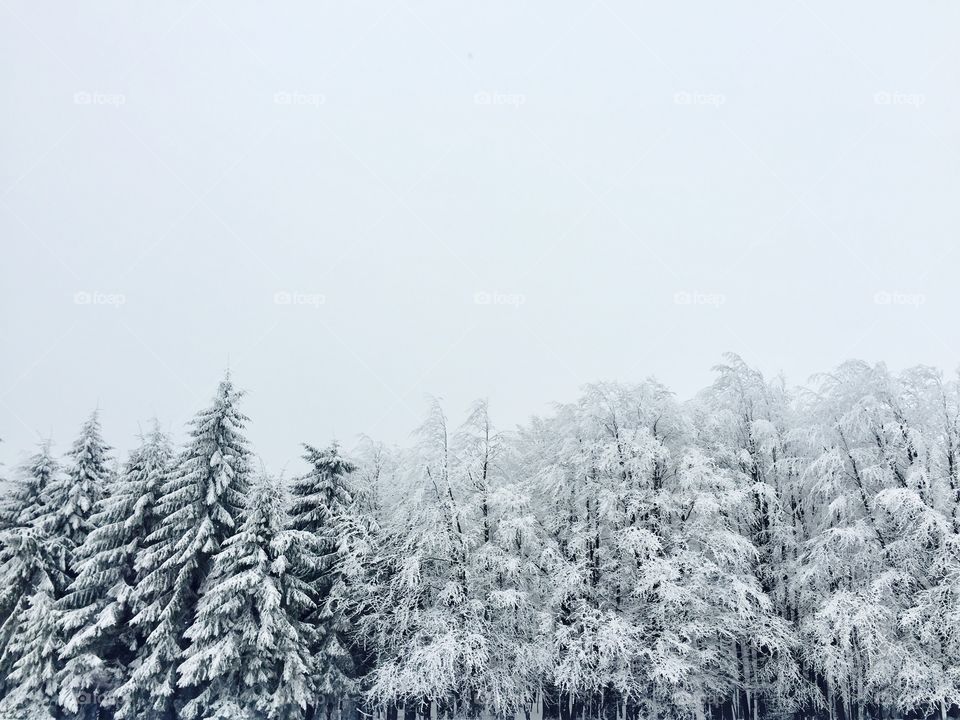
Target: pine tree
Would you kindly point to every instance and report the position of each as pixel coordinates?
(24, 501)
(322, 494)
(30, 559)
(30, 569)
(754, 553)
(322, 508)
(249, 655)
(37, 645)
(73, 495)
(97, 608)
(200, 506)
(59, 523)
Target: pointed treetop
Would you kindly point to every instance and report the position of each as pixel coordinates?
(226, 390)
(327, 460)
(89, 447)
(155, 430)
(265, 492)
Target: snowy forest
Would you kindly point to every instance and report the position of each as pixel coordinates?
(757, 551)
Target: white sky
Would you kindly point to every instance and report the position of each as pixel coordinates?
(583, 164)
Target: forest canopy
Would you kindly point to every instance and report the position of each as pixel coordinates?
(754, 552)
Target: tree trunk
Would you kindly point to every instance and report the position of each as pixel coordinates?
(565, 706)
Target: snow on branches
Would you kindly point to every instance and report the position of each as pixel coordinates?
(753, 552)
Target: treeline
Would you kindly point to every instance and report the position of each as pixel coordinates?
(752, 553)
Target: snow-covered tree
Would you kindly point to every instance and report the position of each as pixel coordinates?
(599, 468)
(754, 553)
(30, 574)
(24, 500)
(97, 607)
(359, 543)
(200, 506)
(721, 624)
(868, 477)
(32, 683)
(71, 496)
(457, 616)
(923, 590)
(322, 509)
(31, 560)
(58, 524)
(249, 653)
(428, 636)
(507, 565)
(426, 630)
(51, 517)
(742, 424)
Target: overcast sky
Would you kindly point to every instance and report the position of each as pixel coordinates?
(355, 204)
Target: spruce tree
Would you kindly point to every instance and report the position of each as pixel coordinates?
(32, 693)
(200, 506)
(249, 655)
(322, 504)
(322, 493)
(30, 574)
(58, 526)
(97, 608)
(30, 559)
(24, 501)
(73, 495)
